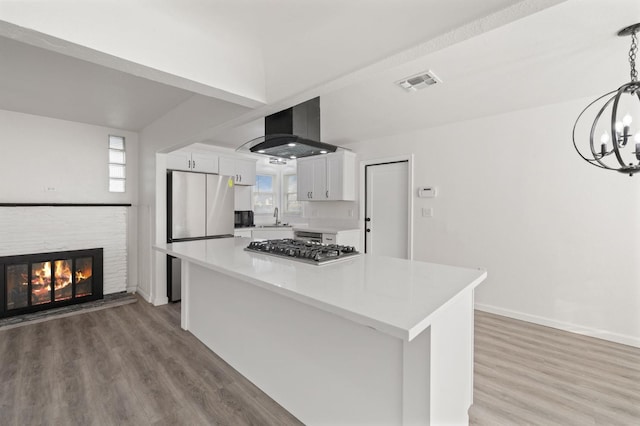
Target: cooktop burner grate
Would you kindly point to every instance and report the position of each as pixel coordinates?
(304, 251)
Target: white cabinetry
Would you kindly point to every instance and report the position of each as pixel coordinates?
(312, 178)
(243, 171)
(327, 177)
(191, 161)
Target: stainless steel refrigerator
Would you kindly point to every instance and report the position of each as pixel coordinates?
(199, 206)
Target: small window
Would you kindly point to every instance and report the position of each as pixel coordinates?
(264, 195)
(291, 203)
(117, 164)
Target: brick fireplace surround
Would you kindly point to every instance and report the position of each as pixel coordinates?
(40, 228)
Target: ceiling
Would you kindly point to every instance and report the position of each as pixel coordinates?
(493, 56)
(40, 82)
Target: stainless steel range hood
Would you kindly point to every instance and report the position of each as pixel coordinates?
(292, 133)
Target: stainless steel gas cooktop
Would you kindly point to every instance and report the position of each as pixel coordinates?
(304, 251)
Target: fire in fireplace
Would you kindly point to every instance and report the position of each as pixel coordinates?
(34, 282)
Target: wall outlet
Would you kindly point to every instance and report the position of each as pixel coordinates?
(427, 212)
(49, 189)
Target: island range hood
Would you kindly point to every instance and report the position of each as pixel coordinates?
(292, 133)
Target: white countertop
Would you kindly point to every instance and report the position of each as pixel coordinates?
(323, 229)
(395, 296)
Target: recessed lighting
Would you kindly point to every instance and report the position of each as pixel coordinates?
(291, 144)
(262, 151)
(293, 157)
(323, 152)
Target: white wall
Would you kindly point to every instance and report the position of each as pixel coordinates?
(46, 160)
(175, 129)
(50, 160)
(558, 237)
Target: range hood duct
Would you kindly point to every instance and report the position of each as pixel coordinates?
(292, 133)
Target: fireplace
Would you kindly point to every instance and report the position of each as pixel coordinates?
(35, 282)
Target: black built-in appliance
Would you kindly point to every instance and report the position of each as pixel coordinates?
(243, 218)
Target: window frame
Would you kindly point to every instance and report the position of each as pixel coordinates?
(116, 178)
(273, 192)
(285, 195)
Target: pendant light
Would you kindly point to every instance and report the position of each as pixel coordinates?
(614, 136)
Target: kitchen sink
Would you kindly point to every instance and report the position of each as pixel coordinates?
(274, 226)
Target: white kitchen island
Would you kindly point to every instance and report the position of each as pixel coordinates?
(368, 340)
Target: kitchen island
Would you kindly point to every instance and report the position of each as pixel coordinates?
(367, 340)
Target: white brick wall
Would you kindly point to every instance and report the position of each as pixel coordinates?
(25, 230)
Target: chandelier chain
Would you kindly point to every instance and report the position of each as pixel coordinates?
(632, 56)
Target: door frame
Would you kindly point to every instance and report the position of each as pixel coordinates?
(363, 195)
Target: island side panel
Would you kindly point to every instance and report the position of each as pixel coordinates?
(323, 368)
(416, 389)
(452, 361)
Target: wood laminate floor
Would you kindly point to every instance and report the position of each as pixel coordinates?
(133, 365)
(128, 365)
(526, 374)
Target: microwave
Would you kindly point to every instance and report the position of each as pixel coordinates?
(243, 218)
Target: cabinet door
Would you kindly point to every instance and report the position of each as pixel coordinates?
(341, 170)
(335, 176)
(179, 161)
(246, 172)
(319, 191)
(204, 163)
(305, 179)
(227, 167)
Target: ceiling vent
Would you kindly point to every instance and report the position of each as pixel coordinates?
(419, 81)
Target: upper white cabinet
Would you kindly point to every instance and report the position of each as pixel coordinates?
(243, 171)
(329, 177)
(191, 161)
(312, 178)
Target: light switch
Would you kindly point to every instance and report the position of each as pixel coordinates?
(427, 212)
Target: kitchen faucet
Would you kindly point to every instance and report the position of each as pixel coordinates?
(275, 214)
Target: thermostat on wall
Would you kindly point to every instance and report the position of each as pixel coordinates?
(427, 192)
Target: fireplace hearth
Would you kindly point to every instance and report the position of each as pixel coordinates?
(35, 282)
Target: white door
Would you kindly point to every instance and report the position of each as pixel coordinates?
(386, 209)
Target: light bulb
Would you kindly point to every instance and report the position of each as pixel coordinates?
(261, 151)
(291, 144)
(626, 120)
(293, 157)
(604, 138)
(323, 152)
(619, 126)
(636, 138)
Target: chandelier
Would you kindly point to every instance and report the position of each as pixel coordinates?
(612, 142)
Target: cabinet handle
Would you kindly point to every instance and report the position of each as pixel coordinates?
(240, 177)
(311, 194)
(189, 164)
(194, 164)
(327, 193)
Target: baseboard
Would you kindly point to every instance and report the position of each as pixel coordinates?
(162, 300)
(142, 293)
(565, 326)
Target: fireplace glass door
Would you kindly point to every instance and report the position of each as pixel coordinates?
(40, 281)
(17, 286)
